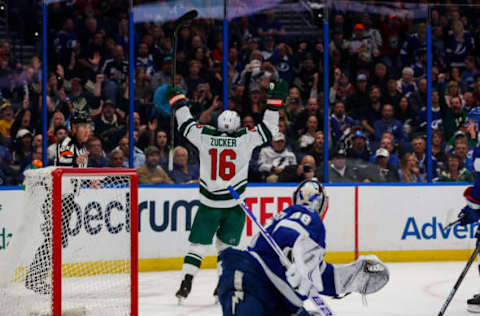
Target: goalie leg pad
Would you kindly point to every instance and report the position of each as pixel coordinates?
(366, 275)
(239, 303)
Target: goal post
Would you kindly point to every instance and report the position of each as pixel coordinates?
(75, 249)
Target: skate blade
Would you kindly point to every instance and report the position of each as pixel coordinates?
(473, 308)
(180, 300)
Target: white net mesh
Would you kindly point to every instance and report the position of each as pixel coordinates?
(95, 247)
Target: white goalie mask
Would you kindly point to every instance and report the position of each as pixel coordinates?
(311, 194)
(228, 121)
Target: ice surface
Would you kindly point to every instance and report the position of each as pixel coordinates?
(414, 289)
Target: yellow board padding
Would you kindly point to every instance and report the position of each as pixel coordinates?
(166, 264)
(70, 270)
(421, 255)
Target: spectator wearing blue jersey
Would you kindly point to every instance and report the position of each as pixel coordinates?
(460, 44)
(418, 98)
(145, 60)
(339, 121)
(405, 114)
(469, 74)
(138, 155)
(436, 114)
(420, 65)
(406, 84)
(282, 60)
(64, 42)
(388, 123)
(414, 43)
(462, 152)
(471, 101)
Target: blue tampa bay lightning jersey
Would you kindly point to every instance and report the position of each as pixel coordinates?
(476, 167)
(286, 227)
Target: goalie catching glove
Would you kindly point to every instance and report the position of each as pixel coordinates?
(366, 275)
(175, 97)
(277, 92)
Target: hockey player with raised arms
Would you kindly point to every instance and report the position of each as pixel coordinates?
(255, 282)
(471, 212)
(225, 153)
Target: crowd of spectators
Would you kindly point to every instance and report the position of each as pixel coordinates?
(377, 96)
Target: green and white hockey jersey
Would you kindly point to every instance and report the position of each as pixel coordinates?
(224, 158)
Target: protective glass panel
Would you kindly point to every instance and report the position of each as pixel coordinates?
(455, 90)
(374, 104)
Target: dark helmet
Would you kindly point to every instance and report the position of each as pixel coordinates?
(80, 117)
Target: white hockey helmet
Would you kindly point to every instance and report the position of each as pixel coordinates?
(228, 121)
(311, 194)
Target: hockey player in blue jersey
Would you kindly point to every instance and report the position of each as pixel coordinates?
(254, 281)
(471, 212)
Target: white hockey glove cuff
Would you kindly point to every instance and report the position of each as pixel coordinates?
(366, 275)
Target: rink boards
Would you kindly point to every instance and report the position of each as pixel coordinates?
(398, 223)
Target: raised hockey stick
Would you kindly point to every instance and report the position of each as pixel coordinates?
(190, 15)
(317, 300)
(462, 275)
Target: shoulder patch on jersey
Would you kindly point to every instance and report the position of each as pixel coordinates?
(240, 132)
(199, 126)
(209, 130)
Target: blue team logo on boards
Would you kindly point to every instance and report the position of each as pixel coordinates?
(436, 230)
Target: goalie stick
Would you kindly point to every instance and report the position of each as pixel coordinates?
(462, 275)
(316, 300)
(181, 21)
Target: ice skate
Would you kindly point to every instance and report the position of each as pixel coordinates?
(473, 304)
(185, 288)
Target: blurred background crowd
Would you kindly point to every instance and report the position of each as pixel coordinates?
(377, 120)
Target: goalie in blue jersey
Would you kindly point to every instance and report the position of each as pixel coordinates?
(471, 212)
(255, 282)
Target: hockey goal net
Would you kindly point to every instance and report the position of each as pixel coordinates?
(74, 250)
